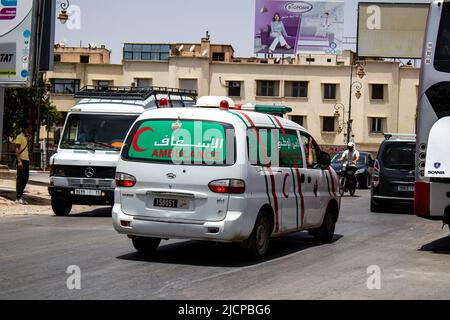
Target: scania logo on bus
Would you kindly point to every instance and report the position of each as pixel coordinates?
(299, 7)
(89, 172)
(436, 173)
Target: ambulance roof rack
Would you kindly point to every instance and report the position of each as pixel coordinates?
(399, 136)
(129, 93)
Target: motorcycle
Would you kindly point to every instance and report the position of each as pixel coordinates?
(347, 180)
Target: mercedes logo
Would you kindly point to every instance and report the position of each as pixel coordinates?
(171, 176)
(89, 172)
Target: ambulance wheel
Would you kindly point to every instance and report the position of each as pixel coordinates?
(146, 246)
(60, 207)
(325, 233)
(260, 237)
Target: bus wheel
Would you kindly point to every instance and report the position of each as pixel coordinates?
(60, 207)
(146, 246)
(260, 237)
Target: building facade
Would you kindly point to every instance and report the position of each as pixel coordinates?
(316, 87)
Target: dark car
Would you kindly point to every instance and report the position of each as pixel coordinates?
(393, 176)
(364, 165)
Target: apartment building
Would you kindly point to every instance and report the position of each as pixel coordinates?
(316, 87)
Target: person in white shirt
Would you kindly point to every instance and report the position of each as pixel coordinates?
(351, 154)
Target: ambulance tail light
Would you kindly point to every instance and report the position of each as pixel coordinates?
(125, 180)
(376, 174)
(422, 198)
(230, 186)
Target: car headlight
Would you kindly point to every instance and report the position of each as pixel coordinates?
(59, 171)
(360, 171)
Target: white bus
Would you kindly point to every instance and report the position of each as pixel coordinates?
(432, 187)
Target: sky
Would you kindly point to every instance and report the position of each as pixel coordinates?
(112, 23)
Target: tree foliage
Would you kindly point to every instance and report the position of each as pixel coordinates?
(21, 106)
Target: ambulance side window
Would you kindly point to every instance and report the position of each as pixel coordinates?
(261, 145)
(312, 151)
(290, 148)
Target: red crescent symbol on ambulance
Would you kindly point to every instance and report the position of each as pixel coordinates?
(284, 186)
(136, 138)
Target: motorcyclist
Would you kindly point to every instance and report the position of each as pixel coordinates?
(350, 158)
(351, 154)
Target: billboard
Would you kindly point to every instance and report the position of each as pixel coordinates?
(290, 27)
(391, 30)
(15, 42)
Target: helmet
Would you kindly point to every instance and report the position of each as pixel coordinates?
(351, 145)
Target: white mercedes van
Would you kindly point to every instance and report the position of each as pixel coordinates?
(222, 174)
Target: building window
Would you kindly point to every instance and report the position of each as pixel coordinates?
(376, 125)
(218, 56)
(103, 84)
(188, 84)
(57, 58)
(310, 60)
(84, 59)
(143, 83)
(300, 120)
(329, 91)
(297, 89)
(267, 88)
(328, 124)
(146, 52)
(234, 89)
(377, 92)
(65, 86)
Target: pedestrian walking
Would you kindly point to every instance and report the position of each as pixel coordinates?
(23, 162)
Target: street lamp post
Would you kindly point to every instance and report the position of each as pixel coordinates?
(354, 86)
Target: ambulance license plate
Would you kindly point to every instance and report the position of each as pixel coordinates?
(165, 203)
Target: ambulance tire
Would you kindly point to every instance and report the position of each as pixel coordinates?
(60, 207)
(260, 237)
(325, 233)
(146, 246)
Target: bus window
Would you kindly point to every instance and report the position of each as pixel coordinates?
(442, 58)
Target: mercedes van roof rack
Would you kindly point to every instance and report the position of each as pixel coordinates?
(399, 136)
(129, 93)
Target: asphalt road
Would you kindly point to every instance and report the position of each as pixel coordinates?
(412, 254)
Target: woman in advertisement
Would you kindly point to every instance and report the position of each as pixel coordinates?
(278, 33)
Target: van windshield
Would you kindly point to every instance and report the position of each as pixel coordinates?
(181, 142)
(96, 131)
(400, 156)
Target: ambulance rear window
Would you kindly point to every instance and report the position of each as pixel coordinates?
(181, 142)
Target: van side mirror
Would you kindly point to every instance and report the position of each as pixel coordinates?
(325, 161)
(57, 136)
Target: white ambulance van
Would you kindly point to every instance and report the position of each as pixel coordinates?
(222, 174)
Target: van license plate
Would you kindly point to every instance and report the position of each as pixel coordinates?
(84, 192)
(406, 188)
(165, 203)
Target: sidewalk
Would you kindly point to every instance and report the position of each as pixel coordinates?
(36, 195)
